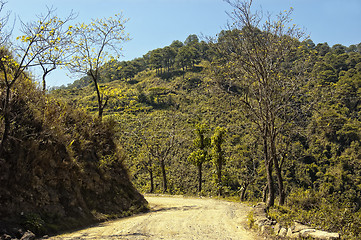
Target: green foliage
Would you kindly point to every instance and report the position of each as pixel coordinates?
(218, 158)
(34, 223)
(250, 219)
(168, 91)
(201, 143)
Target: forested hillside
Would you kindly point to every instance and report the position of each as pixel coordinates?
(259, 112)
(185, 114)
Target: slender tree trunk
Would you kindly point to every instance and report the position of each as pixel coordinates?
(268, 166)
(219, 173)
(6, 114)
(151, 180)
(265, 190)
(44, 83)
(271, 189)
(162, 165)
(200, 177)
(99, 97)
(243, 191)
(280, 183)
(278, 171)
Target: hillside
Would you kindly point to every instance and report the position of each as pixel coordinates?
(257, 113)
(159, 110)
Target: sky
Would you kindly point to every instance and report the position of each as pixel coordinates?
(157, 23)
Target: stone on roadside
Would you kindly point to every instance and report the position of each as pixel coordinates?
(282, 232)
(276, 228)
(28, 236)
(323, 235)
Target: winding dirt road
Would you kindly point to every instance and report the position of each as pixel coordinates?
(176, 218)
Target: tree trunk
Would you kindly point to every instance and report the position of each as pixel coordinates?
(268, 165)
(6, 114)
(271, 189)
(243, 191)
(278, 171)
(200, 177)
(44, 82)
(219, 173)
(265, 189)
(99, 97)
(151, 180)
(281, 190)
(162, 165)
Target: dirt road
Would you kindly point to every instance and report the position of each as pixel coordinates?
(176, 218)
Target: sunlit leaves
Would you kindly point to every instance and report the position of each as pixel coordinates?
(93, 45)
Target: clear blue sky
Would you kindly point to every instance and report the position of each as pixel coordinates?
(156, 23)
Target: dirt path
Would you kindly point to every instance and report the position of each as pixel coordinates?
(176, 218)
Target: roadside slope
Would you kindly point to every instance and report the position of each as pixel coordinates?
(176, 218)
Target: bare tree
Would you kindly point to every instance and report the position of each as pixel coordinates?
(4, 34)
(255, 54)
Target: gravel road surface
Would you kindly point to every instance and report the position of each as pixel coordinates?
(176, 217)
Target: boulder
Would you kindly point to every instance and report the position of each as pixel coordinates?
(28, 236)
(322, 235)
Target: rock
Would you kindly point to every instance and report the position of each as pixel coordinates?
(18, 232)
(291, 234)
(5, 237)
(306, 232)
(298, 227)
(276, 228)
(282, 232)
(323, 235)
(298, 230)
(28, 236)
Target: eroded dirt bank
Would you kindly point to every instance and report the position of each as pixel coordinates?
(176, 218)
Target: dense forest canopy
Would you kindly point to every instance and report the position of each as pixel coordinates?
(259, 112)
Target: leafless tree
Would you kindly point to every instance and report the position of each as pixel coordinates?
(255, 53)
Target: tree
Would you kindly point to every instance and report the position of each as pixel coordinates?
(247, 162)
(95, 44)
(176, 45)
(147, 164)
(218, 155)
(262, 60)
(191, 40)
(37, 42)
(185, 57)
(155, 59)
(4, 34)
(169, 55)
(323, 48)
(58, 39)
(159, 137)
(200, 155)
